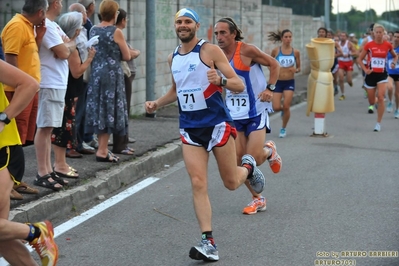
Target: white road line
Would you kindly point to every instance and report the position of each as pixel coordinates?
(62, 228)
(59, 230)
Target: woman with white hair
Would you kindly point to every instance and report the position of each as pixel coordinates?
(65, 136)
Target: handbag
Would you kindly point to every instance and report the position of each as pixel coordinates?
(125, 68)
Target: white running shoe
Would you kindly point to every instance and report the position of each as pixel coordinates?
(257, 180)
(377, 127)
(204, 251)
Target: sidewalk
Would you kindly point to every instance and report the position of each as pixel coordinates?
(157, 146)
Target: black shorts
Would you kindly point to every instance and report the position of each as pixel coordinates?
(395, 77)
(373, 79)
(13, 158)
(209, 137)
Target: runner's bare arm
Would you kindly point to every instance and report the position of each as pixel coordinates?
(395, 58)
(297, 60)
(211, 52)
(362, 55)
(258, 56)
(25, 88)
(168, 98)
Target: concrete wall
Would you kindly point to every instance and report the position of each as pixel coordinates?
(254, 19)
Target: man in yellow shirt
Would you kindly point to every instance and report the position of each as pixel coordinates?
(39, 235)
(21, 50)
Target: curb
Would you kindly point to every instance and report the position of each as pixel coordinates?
(70, 202)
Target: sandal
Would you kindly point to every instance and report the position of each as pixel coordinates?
(14, 195)
(43, 181)
(129, 148)
(113, 155)
(109, 159)
(70, 174)
(59, 179)
(127, 151)
(70, 169)
(25, 188)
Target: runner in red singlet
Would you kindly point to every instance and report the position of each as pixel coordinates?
(376, 72)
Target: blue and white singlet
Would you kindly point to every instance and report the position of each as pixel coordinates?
(391, 71)
(246, 104)
(200, 102)
(286, 60)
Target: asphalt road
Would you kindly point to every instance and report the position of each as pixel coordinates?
(334, 194)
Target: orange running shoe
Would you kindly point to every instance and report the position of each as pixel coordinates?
(275, 160)
(45, 245)
(257, 204)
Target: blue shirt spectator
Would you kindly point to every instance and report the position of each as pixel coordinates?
(88, 25)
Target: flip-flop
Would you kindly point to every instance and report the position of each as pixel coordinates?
(113, 155)
(108, 159)
(73, 169)
(70, 174)
(70, 169)
(43, 181)
(127, 152)
(25, 188)
(129, 148)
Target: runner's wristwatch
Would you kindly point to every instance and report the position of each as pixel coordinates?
(223, 81)
(271, 87)
(4, 118)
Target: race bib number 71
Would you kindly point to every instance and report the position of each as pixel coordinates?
(191, 99)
